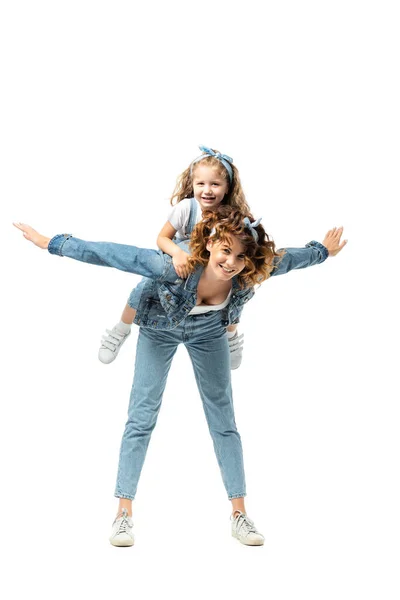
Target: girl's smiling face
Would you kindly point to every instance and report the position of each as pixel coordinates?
(227, 259)
(209, 186)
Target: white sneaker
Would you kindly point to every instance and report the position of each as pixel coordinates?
(236, 350)
(243, 529)
(122, 530)
(111, 344)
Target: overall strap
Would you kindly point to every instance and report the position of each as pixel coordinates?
(192, 216)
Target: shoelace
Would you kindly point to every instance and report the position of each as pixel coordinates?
(244, 523)
(123, 526)
(112, 340)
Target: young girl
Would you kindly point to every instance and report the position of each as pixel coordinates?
(230, 254)
(209, 181)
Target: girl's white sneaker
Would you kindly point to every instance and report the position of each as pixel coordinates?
(121, 534)
(111, 344)
(244, 530)
(236, 350)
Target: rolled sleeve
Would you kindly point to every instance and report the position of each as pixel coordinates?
(313, 253)
(57, 242)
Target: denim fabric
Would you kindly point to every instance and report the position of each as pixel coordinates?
(142, 261)
(169, 302)
(145, 286)
(192, 217)
(206, 342)
(166, 301)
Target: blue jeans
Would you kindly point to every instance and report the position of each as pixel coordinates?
(206, 342)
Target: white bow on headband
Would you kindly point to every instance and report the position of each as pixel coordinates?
(249, 225)
(252, 227)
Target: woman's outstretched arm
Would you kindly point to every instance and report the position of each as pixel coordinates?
(141, 261)
(313, 254)
(33, 236)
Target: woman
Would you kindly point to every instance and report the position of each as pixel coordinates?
(230, 254)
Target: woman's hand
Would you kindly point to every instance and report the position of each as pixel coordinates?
(33, 236)
(332, 241)
(179, 260)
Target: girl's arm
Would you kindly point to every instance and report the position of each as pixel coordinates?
(179, 256)
(141, 261)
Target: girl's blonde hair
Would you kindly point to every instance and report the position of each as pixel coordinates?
(184, 184)
(219, 226)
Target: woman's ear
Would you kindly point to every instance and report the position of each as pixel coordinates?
(209, 245)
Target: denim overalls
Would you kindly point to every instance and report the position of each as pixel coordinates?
(165, 323)
(145, 284)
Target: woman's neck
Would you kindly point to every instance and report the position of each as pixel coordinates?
(209, 277)
(211, 290)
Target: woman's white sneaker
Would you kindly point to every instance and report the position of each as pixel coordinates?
(244, 530)
(111, 344)
(121, 534)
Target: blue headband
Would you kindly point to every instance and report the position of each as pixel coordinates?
(252, 226)
(226, 160)
(247, 223)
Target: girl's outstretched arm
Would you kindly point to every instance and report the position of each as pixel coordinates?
(141, 261)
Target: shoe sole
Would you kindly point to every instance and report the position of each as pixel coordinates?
(255, 543)
(125, 544)
(234, 368)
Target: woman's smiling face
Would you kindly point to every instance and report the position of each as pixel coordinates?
(227, 258)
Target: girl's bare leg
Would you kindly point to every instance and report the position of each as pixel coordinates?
(128, 315)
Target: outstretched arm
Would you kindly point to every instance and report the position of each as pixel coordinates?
(332, 241)
(33, 236)
(141, 261)
(313, 254)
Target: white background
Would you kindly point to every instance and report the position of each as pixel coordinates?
(103, 105)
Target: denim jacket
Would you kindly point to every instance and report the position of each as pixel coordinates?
(167, 299)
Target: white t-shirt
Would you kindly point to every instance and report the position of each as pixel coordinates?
(179, 218)
(203, 308)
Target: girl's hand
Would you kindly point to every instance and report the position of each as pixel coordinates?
(179, 260)
(332, 241)
(33, 236)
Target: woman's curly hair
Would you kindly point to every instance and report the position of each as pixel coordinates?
(222, 223)
(184, 184)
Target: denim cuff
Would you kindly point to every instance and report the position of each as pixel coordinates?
(320, 246)
(57, 242)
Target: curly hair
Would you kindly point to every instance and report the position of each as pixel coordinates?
(219, 226)
(235, 196)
